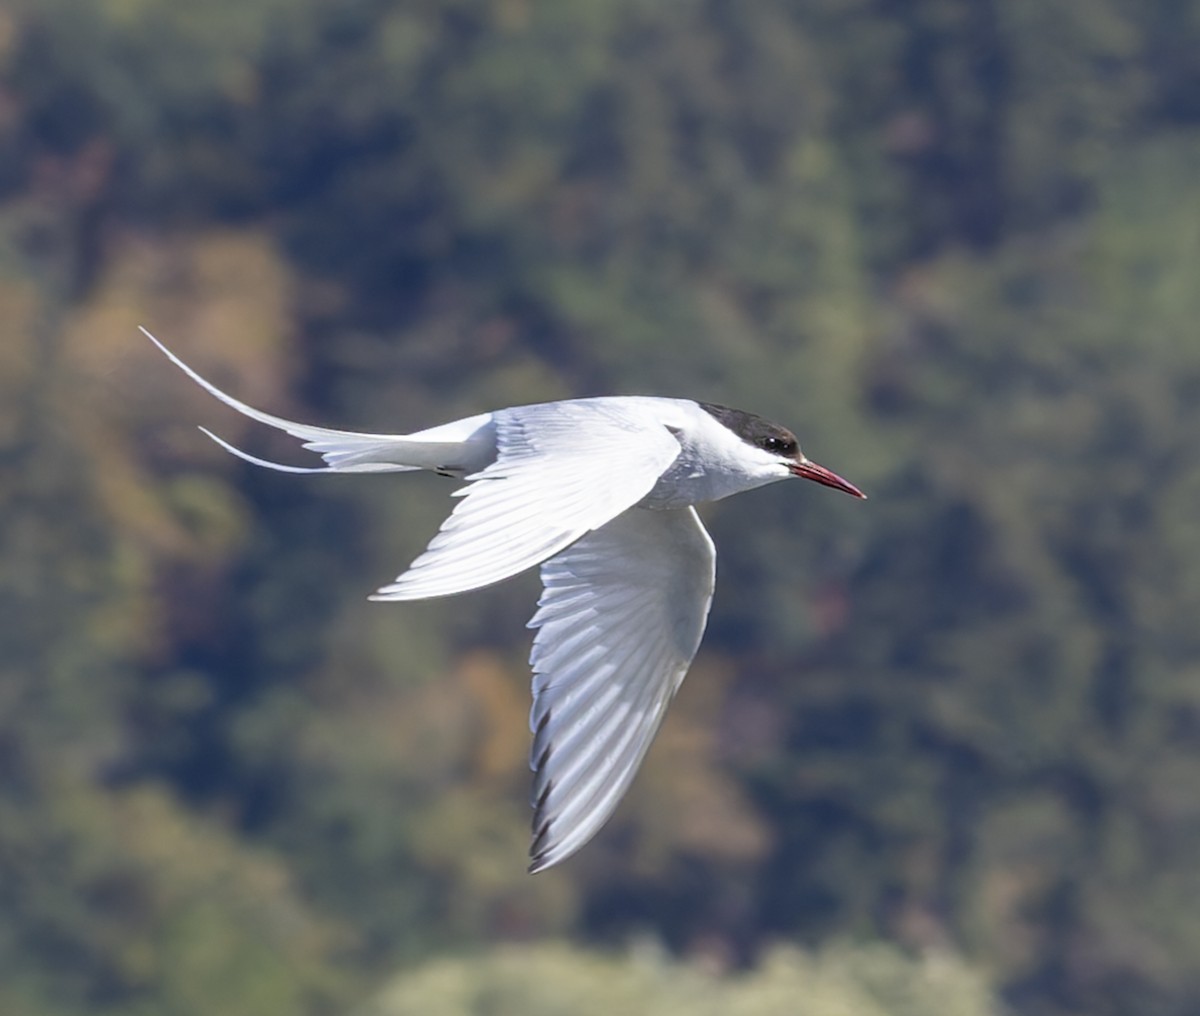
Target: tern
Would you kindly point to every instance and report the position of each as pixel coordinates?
(601, 494)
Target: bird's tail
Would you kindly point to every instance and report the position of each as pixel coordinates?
(455, 448)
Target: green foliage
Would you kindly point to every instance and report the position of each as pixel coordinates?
(146, 908)
(955, 245)
(554, 979)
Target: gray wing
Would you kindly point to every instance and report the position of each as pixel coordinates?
(562, 469)
(620, 619)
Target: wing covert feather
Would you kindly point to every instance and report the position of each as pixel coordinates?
(561, 471)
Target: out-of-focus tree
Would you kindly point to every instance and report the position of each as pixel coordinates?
(953, 245)
(1022, 728)
(544, 980)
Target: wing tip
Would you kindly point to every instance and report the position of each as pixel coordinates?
(540, 851)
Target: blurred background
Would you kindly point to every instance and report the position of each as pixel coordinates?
(940, 752)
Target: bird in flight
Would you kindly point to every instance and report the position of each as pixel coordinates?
(601, 494)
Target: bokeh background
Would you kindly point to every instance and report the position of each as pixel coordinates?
(940, 752)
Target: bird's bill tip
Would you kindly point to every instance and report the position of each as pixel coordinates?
(807, 470)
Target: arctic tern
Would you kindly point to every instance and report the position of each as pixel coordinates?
(601, 494)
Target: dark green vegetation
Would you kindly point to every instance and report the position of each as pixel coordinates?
(954, 245)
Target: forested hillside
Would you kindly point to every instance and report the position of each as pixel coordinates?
(940, 751)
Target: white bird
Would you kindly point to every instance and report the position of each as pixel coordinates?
(600, 493)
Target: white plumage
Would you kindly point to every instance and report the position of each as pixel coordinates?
(599, 493)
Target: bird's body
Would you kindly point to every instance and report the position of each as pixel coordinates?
(600, 493)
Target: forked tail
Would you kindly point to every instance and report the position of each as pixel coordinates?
(464, 446)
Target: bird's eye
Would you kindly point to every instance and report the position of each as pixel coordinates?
(779, 445)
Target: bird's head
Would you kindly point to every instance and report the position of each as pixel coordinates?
(781, 445)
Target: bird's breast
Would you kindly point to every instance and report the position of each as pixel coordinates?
(688, 482)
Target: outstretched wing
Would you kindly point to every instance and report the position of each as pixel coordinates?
(562, 469)
(620, 619)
